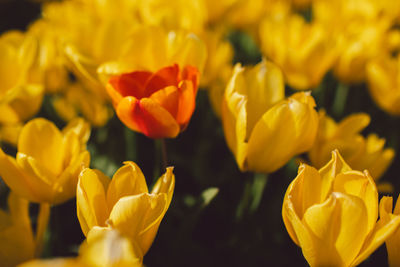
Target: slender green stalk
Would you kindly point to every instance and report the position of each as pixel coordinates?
(42, 223)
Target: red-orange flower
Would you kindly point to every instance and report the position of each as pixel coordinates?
(156, 104)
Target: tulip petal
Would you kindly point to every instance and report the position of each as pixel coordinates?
(235, 118)
(91, 201)
(302, 193)
(167, 76)
(339, 228)
(116, 249)
(147, 117)
(128, 180)
(30, 187)
(65, 186)
(168, 98)
(165, 184)
(187, 103)
(353, 124)
(192, 74)
(329, 172)
(42, 140)
(362, 186)
(129, 84)
(270, 135)
(139, 217)
(384, 229)
(264, 87)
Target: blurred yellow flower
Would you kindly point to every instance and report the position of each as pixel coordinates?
(108, 249)
(383, 76)
(123, 203)
(304, 51)
(48, 161)
(218, 67)
(49, 66)
(332, 214)
(157, 48)
(174, 15)
(20, 98)
(77, 100)
(360, 153)
(262, 128)
(16, 238)
(358, 44)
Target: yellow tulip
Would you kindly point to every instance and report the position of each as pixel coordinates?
(123, 203)
(262, 128)
(304, 51)
(332, 214)
(49, 66)
(48, 162)
(393, 242)
(157, 49)
(108, 249)
(218, 66)
(20, 98)
(77, 99)
(383, 76)
(361, 153)
(16, 238)
(359, 43)
(174, 15)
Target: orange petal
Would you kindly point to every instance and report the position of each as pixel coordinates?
(162, 78)
(187, 103)
(168, 98)
(130, 84)
(191, 73)
(148, 117)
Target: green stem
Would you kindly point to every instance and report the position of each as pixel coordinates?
(131, 145)
(42, 223)
(339, 102)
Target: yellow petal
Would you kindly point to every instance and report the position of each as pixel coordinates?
(385, 230)
(91, 202)
(329, 172)
(65, 186)
(165, 184)
(362, 186)
(116, 250)
(139, 217)
(23, 184)
(339, 228)
(298, 194)
(42, 140)
(264, 86)
(272, 143)
(128, 180)
(80, 127)
(234, 116)
(62, 262)
(353, 124)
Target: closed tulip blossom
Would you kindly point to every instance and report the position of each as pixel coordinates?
(362, 153)
(393, 242)
(48, 162)
(264, 129)
(123, 203)
(158, 104)
(332, 213)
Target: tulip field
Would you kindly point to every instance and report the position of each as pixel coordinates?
(199, 133)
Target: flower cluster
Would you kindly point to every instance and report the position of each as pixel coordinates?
(239, 88)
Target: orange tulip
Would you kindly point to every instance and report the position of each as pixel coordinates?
(159, 104)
